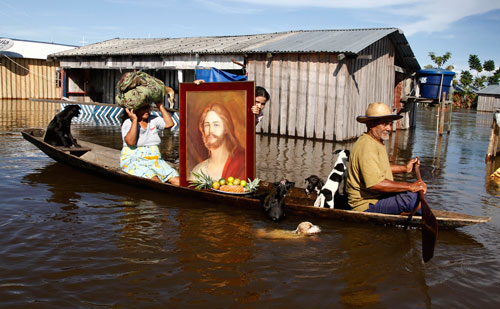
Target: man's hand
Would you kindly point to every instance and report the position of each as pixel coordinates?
(418, 185)
(409, 165)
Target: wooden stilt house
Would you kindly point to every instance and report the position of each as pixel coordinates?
(319, 81)
(488, 99)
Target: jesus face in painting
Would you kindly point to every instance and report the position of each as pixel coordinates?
(213, 131)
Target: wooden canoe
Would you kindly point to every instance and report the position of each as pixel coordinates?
(105, 162)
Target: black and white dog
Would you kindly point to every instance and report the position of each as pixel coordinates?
(273, 202)
(335, 182)
(59, 129)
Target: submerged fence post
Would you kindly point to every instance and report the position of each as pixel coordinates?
(449, 117)
(492, 147)
(441, 120)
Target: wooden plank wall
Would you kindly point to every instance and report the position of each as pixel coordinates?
(317, 96)
(22, 78)
(488, 103)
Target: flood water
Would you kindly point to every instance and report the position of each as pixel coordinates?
(71, 239)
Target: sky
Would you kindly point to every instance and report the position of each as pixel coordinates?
(456, 26)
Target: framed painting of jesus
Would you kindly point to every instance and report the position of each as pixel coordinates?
(217, 131)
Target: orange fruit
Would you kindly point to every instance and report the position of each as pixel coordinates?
(216, 185)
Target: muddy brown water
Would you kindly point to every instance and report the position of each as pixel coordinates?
(71, 239)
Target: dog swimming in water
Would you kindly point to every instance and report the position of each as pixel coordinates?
(303, 229)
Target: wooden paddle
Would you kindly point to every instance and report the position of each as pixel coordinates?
(429, 224)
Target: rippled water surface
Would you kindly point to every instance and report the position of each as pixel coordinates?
(71, 239)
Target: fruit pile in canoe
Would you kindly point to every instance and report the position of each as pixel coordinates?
(229, 185)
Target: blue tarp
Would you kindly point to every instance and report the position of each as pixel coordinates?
(215, 75)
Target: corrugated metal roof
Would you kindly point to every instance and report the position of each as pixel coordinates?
(349, 41)
(491, 89)
(333, 41)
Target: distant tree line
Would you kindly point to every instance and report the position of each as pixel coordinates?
(469, 84)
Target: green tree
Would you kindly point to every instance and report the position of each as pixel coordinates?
(495, 78)
(475, 64)
(440, 60)
(489, 65)
(469, 82)
(479, 81)
(466, 79)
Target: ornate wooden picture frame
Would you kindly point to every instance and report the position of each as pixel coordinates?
(217, 130)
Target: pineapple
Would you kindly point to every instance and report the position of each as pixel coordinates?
(252, 185)
(203, 181)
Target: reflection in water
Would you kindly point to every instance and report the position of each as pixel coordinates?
(26, 114)
(221, 244)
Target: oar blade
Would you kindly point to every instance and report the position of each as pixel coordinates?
(429, 231)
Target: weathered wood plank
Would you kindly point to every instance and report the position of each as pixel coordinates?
(340, 101)
(302, 94)
(319, 130)
(284, 77)
(266, 125)
(312, 97)
(331, 102)
(293, 95)
(275, 89)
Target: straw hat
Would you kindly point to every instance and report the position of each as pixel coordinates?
(378, 110)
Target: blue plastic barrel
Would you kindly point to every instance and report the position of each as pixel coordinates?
(430, 81)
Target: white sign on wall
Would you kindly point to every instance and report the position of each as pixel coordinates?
(6, 44)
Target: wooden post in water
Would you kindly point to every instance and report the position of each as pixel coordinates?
(441, 120)
(449, 116)
(492, 147)
(439, 105)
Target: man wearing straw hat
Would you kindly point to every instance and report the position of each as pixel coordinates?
(370, 183)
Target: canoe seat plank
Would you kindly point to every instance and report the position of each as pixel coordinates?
(75, 151)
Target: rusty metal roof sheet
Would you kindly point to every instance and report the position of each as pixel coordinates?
(349, 41)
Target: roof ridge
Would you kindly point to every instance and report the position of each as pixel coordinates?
(263, 34)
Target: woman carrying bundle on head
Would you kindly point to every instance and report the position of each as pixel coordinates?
(140, 154)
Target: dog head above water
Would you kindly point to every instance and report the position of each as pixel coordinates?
(307, 228)
(284, 185)
(274, 202)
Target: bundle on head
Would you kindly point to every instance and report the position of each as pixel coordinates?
(136, 89)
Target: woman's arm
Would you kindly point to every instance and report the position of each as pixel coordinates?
(166, 116)
(131, 137)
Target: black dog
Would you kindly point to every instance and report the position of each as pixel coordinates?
(314, 183)
(59, 129)
(274, 202)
